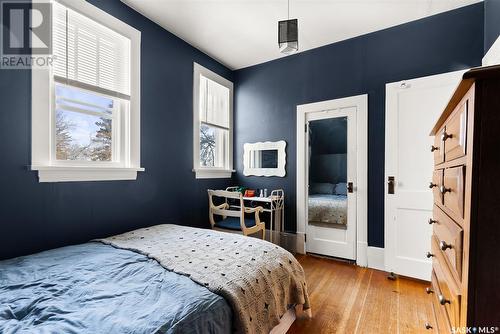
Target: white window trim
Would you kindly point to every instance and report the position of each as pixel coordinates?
(42, 115)
(209, 172)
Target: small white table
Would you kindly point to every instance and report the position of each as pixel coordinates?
(275, 205)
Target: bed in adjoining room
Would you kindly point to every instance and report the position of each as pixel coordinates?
(161, 279)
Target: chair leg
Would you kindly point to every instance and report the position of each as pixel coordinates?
(263, 234)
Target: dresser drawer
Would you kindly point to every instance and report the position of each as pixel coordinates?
(435, 185)
(438, 148)
(446, 291)
(449, 237)
(453, 190)
(455, 135)
(441, 322)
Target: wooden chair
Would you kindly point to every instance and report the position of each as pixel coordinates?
(234, 220)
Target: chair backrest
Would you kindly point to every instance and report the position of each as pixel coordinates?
(224, 210)
(218, 210)
(232, 188)
(225, 193)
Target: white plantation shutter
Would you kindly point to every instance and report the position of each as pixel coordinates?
(214, 103)
(90, 55)
(59, 39)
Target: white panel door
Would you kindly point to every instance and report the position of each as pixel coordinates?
(326, 239)
(412, 108)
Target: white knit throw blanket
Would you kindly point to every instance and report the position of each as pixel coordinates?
(258, 279)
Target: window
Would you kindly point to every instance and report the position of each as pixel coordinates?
(84, 124)
(213, 117)
(85, 108)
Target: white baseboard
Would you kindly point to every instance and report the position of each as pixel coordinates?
(376, 258)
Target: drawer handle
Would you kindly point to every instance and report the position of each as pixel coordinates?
(442, 300)
(444, 190)
(429, 255)
(429, 290)
(444, 246)
(434, 148)
(428, 325)
(432, 221)
(432, 185)
(446, 136)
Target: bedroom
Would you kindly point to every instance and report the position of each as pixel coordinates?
(367, 55)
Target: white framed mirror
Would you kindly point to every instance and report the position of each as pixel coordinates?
(264, 158)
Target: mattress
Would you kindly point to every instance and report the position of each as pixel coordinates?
(327, 209)
(96, 288)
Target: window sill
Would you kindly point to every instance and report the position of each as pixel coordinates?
(83, 173)
(213, 173)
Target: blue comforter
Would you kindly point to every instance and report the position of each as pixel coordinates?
(95, 288)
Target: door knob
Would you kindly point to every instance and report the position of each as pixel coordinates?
(432, 185)
(428, 290)
(428, 325)
(429, 255)
(434, 148)
(350, 187)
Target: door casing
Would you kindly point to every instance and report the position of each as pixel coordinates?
(361, 104)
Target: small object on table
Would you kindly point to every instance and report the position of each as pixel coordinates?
(261, 193)
(265, 193)
(249, 193)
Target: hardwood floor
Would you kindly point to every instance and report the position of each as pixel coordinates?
(350, 299)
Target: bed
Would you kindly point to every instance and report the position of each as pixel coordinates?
(161, 279)
(327, 209)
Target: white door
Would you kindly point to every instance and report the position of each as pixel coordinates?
(412, 108)
(323, 235)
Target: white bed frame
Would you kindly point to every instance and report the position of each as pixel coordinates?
(286, 322)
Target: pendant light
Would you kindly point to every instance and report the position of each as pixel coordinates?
(288, 36)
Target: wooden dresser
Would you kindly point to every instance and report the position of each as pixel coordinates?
(465, 250)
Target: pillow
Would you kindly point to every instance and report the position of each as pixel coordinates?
(322, 188)
(341, 189)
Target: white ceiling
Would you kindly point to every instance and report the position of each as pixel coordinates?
(241, 33)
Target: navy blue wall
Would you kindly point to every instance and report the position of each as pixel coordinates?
(491, 22)
(266, 95)
(36, 216)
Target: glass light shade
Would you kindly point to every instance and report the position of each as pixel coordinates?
(288, 41)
